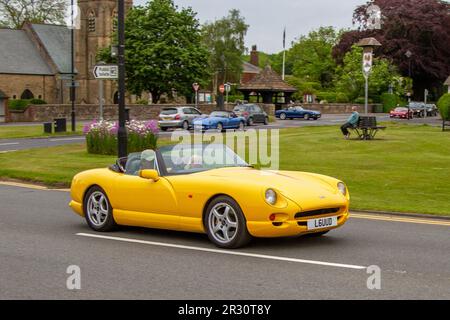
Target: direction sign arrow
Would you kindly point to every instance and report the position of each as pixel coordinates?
(106, 72)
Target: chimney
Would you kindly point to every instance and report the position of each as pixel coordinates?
(254, 56)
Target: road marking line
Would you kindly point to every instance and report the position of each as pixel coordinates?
(68, 139)
(400, 219)
(30, 186)
(234, 253)
(8, 151)
(9, 144)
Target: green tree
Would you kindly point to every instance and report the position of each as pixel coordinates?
(164, 51)
(224, 39)
(311, 56)
(13, 13)
(350, 78)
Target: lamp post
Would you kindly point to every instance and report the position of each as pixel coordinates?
(368, 45)
(408, 55)
(72, 63)
(122, 135)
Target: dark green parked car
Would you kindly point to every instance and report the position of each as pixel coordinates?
(252, 114)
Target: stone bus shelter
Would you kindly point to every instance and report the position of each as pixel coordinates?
(268, 87)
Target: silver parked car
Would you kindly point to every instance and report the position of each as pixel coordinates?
(178, 117)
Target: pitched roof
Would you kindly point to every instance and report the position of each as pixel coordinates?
(447, 82)
(57, 41)
(18, 55)
(250, 68)
(267, 80)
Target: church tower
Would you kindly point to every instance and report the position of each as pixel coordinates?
(98, 23)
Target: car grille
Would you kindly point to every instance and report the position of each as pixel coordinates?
(318, 212)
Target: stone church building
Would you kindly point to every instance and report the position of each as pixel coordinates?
(35, 61)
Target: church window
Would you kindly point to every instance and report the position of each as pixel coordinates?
(91, 22)
(27, 95)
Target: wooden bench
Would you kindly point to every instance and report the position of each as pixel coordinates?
(367, 128)
(445, 123)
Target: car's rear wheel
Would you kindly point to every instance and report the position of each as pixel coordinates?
(185, 125)
(283, 116)
(266, 121)
(98, 210)
(164, 129)
(225, 223)
(241, 126)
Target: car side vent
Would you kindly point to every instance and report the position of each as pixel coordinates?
(318, 212)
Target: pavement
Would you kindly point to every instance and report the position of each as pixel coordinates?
(40, 238)
(11, 145)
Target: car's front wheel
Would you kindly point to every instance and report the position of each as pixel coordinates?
(306, 117)
(98, 210)
(220, 127)
(225, 223)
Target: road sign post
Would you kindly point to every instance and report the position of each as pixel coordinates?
(227, 90)
(104, 72)
(196, 87)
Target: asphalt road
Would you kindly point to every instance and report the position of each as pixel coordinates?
(10, 145)
(40, 238)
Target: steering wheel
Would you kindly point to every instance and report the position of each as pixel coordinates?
(119, 163)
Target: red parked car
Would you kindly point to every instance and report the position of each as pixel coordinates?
(402, 113)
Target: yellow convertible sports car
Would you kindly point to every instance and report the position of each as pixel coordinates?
(208, 189)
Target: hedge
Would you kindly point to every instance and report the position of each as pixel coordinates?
(444, 106)
(22, 104)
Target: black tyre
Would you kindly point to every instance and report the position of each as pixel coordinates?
(185, 125)
(220, 127)
(164, 129)
(283, 116)
(225, 224)
(242, 126)
(266, 121)
(306, 117)
(250, 122)
(98, 210)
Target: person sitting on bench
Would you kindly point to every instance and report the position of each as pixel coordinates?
(351, 123)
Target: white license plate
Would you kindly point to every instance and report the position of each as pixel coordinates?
(322, 223)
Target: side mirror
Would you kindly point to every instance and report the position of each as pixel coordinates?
(149, 175)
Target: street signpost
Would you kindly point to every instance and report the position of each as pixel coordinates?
(102, 72)
(196, 87)
(106, 72)
(227, 90)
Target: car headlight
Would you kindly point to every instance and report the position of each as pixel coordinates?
(342, 188)
(271, 196)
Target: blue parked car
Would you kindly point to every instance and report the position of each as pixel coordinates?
(297, 112)
(220, 120)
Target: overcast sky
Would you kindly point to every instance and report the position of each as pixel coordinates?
(267, 18)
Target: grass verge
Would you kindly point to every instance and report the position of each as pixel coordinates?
(33, 131)
(405, 170)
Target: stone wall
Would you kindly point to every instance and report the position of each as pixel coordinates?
(333, 108)
(43, 113)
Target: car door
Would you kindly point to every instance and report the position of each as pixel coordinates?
(194, 115)
(139, 201)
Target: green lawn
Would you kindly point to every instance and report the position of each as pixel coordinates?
(32, 131)
(406, 169)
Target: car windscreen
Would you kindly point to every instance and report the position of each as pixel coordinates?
(240, 108)
(220, 114)
(186, 159)
(171, 111)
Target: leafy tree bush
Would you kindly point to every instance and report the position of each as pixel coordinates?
(444, 106)
(22, 104)
(389, 101)
(37, 101)
(342, 98)
(330, 97)
(362, 100)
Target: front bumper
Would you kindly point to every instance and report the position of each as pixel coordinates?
(77, 208)
(292, 227)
